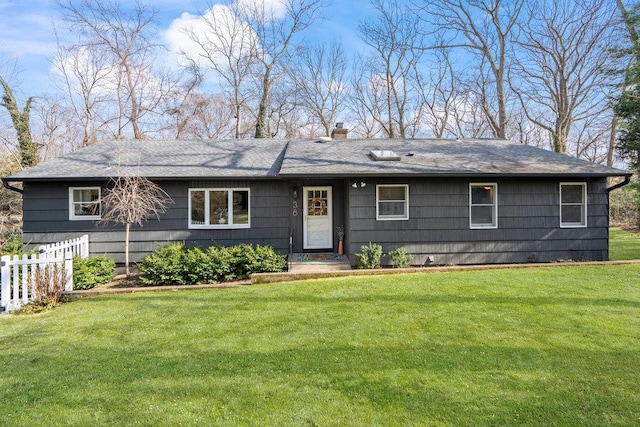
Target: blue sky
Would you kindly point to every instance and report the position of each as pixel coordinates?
(27, 33)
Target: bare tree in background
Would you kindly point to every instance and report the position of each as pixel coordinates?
(55, 127)
(366, 100)
(126, 34)
(560, 78)
(394, 35)
(230, 48)
(438, 91)
(132, 200)
(318, 77)
(274, 30)
(85, 71)
(484, 28)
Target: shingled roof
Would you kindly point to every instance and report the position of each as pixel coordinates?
(279, 158)
(165, 159)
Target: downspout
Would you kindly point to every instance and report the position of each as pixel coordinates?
(627, 179)
(5, 184)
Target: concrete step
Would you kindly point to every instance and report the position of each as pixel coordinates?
(312, 262)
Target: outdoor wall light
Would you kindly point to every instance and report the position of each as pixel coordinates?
(362, 184)
(295, 192)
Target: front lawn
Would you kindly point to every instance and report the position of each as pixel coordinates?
(544, 346)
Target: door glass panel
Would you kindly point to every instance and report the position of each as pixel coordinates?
(317, 203)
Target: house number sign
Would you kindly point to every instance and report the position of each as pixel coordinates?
(295, 208)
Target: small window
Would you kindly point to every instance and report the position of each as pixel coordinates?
(483, 205)
(392, 202)
(573, 204)
(218, 208)
(84, 203)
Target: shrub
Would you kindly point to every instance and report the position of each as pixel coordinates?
(93, 271)
(165, 266)
(220, 261)
(197, 267)
(266, 260)
(369, 256)
(399, 258)
(624, 206)
(245, 259)
(46, 288)
(11, 243)
(174, 264)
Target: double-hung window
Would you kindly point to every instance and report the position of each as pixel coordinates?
(483, 205)
(573, 204)
(84, 203)
(219, 208)
(392, 202)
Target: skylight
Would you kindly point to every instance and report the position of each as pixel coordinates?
(384, 155)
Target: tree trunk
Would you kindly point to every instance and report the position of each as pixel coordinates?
(261, 122)
(126, 251)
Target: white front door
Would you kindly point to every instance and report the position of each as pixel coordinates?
(317, 218)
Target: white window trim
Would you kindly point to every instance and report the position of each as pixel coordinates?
(584, 204)
(405, 217)
(206, 224)
(494, 205)
(72, 211)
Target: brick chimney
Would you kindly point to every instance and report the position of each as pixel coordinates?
(339, 132)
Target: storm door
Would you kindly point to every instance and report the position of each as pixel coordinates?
(317, 218)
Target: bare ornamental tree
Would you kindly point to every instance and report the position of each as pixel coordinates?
(132, 200)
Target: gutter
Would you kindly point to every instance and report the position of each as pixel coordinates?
(627, 179)
(5, 184)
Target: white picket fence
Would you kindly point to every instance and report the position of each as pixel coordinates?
(78, 246)
(17, 274)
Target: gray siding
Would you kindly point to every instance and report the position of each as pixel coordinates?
(46, 220)
(438, 226)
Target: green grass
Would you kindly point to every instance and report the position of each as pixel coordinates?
(623, 244)
(538, 347)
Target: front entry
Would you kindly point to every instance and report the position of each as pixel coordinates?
(318, 220)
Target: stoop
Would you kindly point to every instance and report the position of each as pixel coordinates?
(317, 262)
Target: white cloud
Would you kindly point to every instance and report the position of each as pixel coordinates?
(182, 31)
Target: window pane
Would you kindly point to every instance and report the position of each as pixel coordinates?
(572, 214)
(572, 193)
(197, 207)
(218, 207)
(391, 193)
(482, 195)
(86, 209)
(482, 215)
(86, 195)
(86, 202)
(241, 207)
(396, 209)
